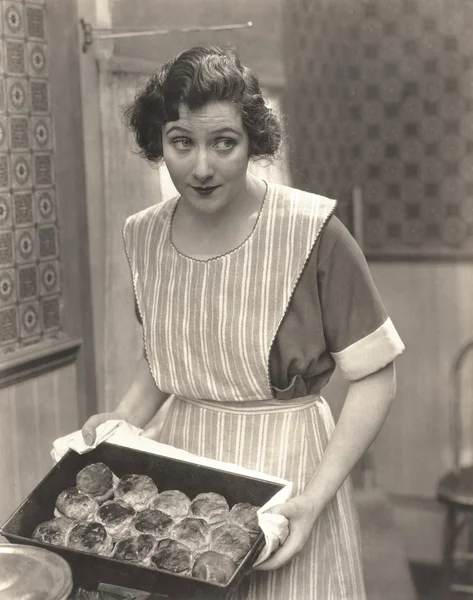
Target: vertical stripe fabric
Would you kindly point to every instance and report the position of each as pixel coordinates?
(285, 439)
(208, 329)
(210, 324)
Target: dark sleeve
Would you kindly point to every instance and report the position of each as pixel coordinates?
(358, 331)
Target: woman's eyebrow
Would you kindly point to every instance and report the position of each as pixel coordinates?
(226, 130)
(218, 131)
(177, 128)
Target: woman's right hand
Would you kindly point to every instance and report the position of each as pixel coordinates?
(89, 427)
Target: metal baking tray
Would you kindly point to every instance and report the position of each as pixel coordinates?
(90, 570)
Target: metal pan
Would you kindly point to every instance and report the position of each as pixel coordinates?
(89, 570)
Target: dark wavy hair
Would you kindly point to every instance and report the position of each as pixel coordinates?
(193, 78)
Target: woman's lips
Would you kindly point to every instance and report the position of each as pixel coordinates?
(205, 191)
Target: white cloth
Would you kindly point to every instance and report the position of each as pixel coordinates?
(275, 527)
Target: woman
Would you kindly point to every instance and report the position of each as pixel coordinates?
(250, 294)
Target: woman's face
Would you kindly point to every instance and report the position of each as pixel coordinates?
(206, 153)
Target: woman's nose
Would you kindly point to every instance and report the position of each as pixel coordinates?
(203, 168)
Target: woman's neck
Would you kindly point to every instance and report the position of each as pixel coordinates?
(197, 234)
(247, 204)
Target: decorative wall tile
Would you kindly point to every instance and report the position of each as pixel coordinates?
(8, 325)
(4, 172)
(2, 87)
(35, 22)
(49, 273)
(37, 59)
(39, 93)
(19, 133)
(51, 313)
(395, 77)
(25, 249)
(30, 279)
(5, 212)
(45, 205)
(13, 19)
(17, 94)
(15, 63)
(21, 170)
(47, 238)
(3, 133)
(27, 282)
(41, 133)
(6, 248)
(30, 320)
(7, 286)
(43, 165)
(24, 208)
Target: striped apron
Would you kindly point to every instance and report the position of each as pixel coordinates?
(208, 328)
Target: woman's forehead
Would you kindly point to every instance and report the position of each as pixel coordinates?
(209, 117)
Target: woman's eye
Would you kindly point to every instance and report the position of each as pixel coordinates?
(225, 144)
(182, 143)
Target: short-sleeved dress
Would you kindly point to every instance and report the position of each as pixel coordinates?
(246, 341)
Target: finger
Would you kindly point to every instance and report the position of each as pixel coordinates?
(88, 430)
(280, 557)
(285, 510)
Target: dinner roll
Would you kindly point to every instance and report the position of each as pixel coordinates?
(214, 567)
(244, 515)
(116, 517)
(209, 506)
(135, 549)
(172, 502)
(152, 521)
(231, 541)
(76, 505)
(90, 537)
(194, 533)
(53, 531)
(136, 490)
(172, 555)
(96, 481)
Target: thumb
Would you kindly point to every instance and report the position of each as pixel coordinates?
(89, 427)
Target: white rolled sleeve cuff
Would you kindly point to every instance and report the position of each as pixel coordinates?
(371, 353)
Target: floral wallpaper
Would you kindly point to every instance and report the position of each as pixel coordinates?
(30, 285)
(380, 95)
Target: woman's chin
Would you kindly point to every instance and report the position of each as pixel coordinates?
(207, 205)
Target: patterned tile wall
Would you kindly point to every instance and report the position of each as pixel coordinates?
(30, 284)
(380, 95)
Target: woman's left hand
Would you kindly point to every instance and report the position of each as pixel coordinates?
(302, 516)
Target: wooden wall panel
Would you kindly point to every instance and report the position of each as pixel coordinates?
(429, 305)
(26, 424)
(9, 464)
(34, 413)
